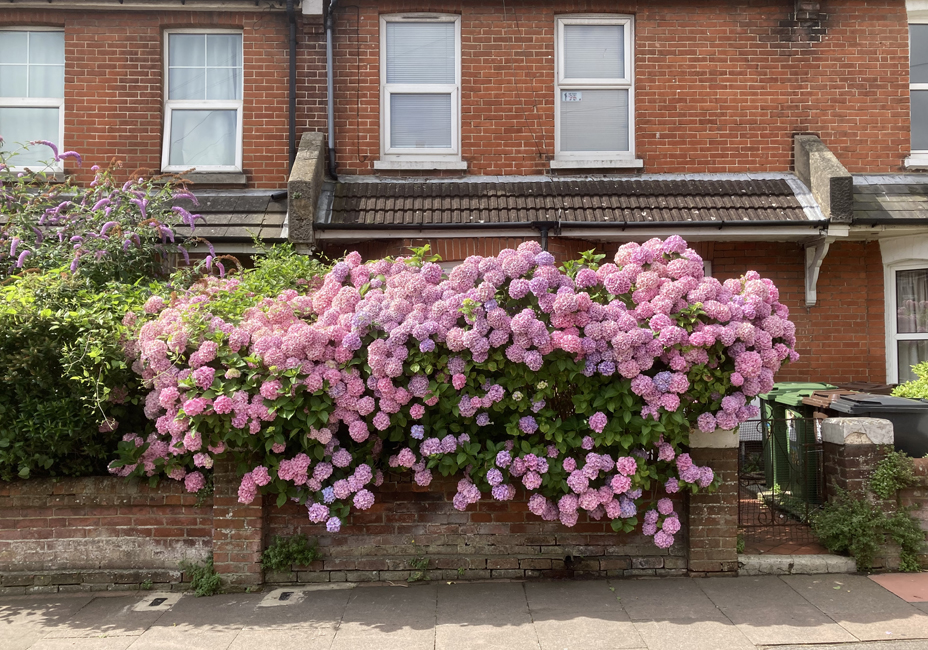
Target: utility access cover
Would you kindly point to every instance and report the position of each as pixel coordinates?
(157, 601)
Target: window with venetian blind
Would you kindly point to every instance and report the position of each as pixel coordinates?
(594, 89)
(420, 86)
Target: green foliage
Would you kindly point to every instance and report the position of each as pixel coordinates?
(106, 231)
(917, 388)
(860, 526)
(67, 391)
(203, 577)
(852, 526)
(284, 552)
(277, 268)
(420, 569)
(739, 546)
(893, 473)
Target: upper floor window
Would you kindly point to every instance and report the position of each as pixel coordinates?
(918, 89)
(203, 109)
(594, 86)
(420, 64)
(32, 94)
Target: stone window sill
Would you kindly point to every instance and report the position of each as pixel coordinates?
(602, 163)
(419, 165)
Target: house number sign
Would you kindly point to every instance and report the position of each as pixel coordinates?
(571, 96)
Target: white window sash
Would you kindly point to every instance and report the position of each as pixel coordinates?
(893, 335)
(170, 105)
(389, 152)
(565, 83)
(38, 102)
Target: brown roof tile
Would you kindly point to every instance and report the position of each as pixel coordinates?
(583, 200)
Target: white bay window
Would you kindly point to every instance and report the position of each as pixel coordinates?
(203, 109)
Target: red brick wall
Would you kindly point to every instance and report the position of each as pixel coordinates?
(114, 84)
(100, 523)
(842, 337)
(721, 86)
(489, 540)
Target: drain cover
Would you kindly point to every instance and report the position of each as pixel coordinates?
(157, 602)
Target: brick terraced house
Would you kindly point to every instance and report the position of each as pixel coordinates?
(779, 135)
(785, 136)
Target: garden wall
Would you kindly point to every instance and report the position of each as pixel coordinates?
(100, 533)
(97, 533)
(411, 525)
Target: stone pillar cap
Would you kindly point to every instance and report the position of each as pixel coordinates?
(718, 439)
(857, 431)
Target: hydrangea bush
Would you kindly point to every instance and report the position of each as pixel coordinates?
(579, 384)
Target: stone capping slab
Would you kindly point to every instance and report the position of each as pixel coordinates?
(857, 431)
(304, 187)
(718, 439)
(767, 565)
(831, 183)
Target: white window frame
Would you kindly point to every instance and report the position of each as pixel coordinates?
(562, 83)
(38, 102)
(201, 104)
(433, 158)
(893, 336)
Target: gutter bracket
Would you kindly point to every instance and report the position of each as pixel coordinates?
(816, 251)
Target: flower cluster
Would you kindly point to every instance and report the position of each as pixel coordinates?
(577, 384)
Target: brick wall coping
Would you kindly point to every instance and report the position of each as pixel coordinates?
(718, 439)
(857, 431)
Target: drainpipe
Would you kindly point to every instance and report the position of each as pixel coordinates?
(291, 18)
(543, 228)
(330, 86)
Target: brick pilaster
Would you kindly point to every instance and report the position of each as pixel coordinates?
(238, 530)
(851, 449)
(713, 518)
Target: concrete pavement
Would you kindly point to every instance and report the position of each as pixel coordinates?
(846, 611)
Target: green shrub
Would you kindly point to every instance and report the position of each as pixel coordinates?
(917, 388)
(860, 526)
(67, 392)
(284, 552)
(203, 577)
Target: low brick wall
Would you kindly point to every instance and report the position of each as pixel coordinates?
(491, 539)
(97, 533)
(112, 533)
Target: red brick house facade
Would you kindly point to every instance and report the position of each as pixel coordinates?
(701, 88)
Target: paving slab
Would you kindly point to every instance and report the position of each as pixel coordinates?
(488, 602)
(389, 609)
(316, 609)
(758, 592)
(289, 639)
(96, 643)
(109, 617)
(863, 607)
(667, 598)
(592, 595)
(594, 631)
(517, 635)
(224, 612)
(38, 611)
(767, 610)
(861, 645)
(712, 634)
(352, 636)
(910, 587)
(19, 638)
(183, 638)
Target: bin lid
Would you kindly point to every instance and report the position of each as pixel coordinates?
(862, 403)
(791, 393)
